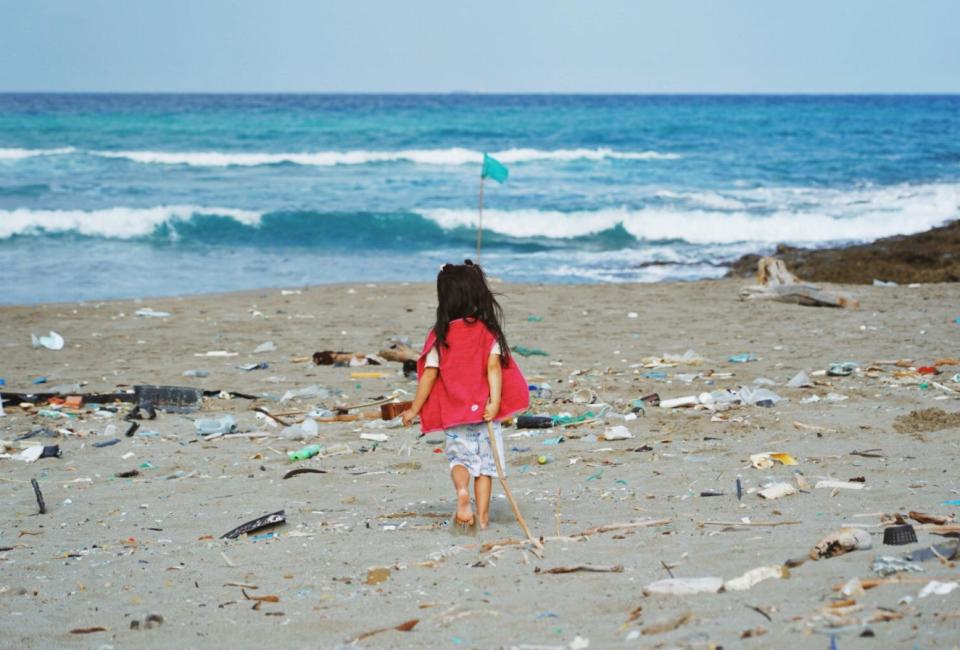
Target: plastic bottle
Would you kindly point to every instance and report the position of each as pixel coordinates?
(307, 452)
(210, 426)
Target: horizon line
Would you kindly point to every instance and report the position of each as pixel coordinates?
(852, 93)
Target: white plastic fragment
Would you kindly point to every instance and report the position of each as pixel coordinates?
(51, 341)
(266, 346)
(843, 485)
(146, 312)
(683, 586)
(754, 576)
(30, 454)
(937, 588)
(618, 432)
(777, 490)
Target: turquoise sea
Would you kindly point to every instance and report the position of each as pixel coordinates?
(105, 196)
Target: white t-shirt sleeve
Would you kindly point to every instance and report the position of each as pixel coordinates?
(433, 358)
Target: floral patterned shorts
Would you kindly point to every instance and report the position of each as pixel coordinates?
(469, 445)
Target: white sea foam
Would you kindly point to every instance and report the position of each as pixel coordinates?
(801, 216)
(19, 154)
(448, 157)
(116, 223)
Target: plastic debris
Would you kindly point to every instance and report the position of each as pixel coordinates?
(51, 341)
(839, 485)
(769, 459)
(306, 452)
(937, 588)
(254, 525)
(266, 346)
(310, 392)
(754, 576)
(887, 565)
(842, 369)
(743, 357)
(529, 352)
(172, 399)
(618, 432)
(683, 586)
(777, 490)
(303, 431)
(800, 380)
(211, 426)
(146, 312)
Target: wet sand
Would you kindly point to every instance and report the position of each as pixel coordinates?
(113, 550)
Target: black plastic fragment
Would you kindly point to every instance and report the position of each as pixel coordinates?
(252, 526)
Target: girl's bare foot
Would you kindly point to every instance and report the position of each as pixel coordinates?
(464, 515)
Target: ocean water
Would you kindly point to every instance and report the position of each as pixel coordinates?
(105, 196)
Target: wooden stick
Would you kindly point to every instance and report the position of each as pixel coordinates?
(500, 543)
(506, 488)
(480, 218)
(870, 583)
(378, 402)
(39, 495)
(556, 514)
(594, 568)
(275, 418)
(752, 523)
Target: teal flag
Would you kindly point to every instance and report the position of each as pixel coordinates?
(493, 168)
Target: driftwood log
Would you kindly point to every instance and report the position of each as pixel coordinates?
(775, 282)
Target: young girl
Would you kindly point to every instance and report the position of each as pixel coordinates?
(466, 378)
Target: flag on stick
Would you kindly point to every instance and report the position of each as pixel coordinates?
(492, 168)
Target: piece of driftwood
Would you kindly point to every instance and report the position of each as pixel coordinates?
(303, 470)
(406, 626)
(332, 357)
(870, 583)
(775, 282)
(397, 351)
(275, 418)
(752, 523)
(594, 568)
(925, 518)
(39, 495)
(502, 543)
(252, 526)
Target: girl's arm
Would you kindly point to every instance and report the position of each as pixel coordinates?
(424, 387)
(495, 380)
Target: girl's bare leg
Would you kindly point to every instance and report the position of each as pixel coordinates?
(461, 483)
(482, 486)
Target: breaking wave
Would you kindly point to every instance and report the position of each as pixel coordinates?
(444, 157)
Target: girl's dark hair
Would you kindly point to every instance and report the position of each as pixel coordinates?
(462, 292)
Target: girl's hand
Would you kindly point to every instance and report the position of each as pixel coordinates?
(490, 411)
(407, 417)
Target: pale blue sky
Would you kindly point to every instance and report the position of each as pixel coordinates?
(485, 45)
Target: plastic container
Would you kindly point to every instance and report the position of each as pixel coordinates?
(899, 535)
(210, 426)
(534, 422)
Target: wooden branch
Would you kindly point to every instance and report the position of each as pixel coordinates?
(752, 523)
(502, 543)
(595, 568)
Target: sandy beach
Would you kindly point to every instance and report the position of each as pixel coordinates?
(367, 545)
